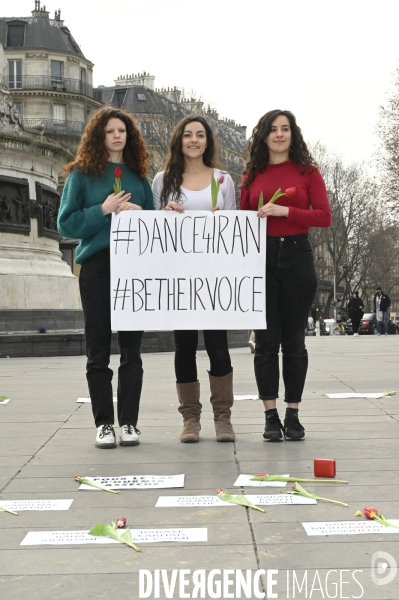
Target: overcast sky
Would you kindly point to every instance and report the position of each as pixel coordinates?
(331, 63)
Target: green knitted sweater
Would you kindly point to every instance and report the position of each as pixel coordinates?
(80, 215)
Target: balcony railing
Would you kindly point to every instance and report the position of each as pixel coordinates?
(46, 82)
(54, 127)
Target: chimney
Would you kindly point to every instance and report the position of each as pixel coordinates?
(40, 12)
(144, 79)
(57, 17)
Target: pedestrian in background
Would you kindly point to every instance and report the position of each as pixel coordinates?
(279, 158)
(251, 341)
(111, 147)
(381, 304)
(355, 311)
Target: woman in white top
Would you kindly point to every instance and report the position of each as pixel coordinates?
(186, 185)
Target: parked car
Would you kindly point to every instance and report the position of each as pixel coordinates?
(368, 325)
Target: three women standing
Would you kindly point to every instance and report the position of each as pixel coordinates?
(186, 185)
(111, 140)
(279, 158)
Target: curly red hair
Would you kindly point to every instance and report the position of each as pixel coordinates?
(91, 154)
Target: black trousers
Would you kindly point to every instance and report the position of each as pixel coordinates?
(94, 283)
(356, 322)
(216, 345)
(290, 288)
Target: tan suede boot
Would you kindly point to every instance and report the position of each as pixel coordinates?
(190, 408)
(222, 399)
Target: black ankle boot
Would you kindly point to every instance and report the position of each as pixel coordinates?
(274, 428)
(293, 430)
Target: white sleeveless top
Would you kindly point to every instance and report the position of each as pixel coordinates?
(202, 199)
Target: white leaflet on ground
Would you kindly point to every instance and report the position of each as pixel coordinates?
(259, 499)
(371, 395)
(133, 482)
(139, 536)
(348, 527)
(18, 505)
(245, 481)
(88, 399)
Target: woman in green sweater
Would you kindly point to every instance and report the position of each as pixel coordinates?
(111, 141)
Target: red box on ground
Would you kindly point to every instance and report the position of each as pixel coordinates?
(324, 467)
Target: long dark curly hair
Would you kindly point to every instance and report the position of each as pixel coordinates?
(174, 163)
(257, 152)
(92, 155)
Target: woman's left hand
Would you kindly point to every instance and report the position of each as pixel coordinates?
(215, 208)
(273, 210)
(128, 206)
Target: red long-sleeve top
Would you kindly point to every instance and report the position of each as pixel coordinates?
(309, 208)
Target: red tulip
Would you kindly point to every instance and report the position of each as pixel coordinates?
(221, 179)
(121, 522)
(290, 192)
(118, 172)
(219, 491)
(370, 512)
(261, 475)
(76, 477)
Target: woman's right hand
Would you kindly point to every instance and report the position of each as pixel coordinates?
(174, 206)
(114, 201)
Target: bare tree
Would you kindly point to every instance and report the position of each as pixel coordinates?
(388, 157)
(342, 249)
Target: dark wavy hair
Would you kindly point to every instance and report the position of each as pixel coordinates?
(257, 152)
(174, 163)
(92, 155)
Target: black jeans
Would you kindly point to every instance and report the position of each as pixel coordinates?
(186, 343)
(94, 283)
(356, 322)
(290, 288)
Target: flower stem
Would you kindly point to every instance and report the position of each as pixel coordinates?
(334, 501)
(9, 511)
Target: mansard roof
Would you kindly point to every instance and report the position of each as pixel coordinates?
(41, 33)
(157, 104)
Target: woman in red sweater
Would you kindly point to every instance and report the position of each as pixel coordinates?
(279, 158)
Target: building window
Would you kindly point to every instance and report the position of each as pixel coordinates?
(57, 69)
(59, 112)
(141, 97)
(83, 81)
(18, 106)
(15, 35)
(14, 74)
(119, 98)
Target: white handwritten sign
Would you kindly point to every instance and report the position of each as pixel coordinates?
(6, 401)
(245, 481)
(18, 505)
(88, 399)
(139, 536)
(348, 527)
(258, 499)
(130, 482)
(247, 397)
(195, 270)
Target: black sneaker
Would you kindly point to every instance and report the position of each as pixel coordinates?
(274, 428)
(293, 430)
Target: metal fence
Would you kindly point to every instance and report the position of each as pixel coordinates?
(54, 127)
(46, 82)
